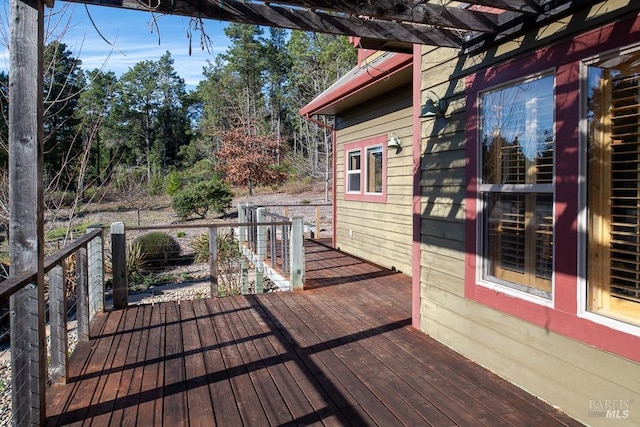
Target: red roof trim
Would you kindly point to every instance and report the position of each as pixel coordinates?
(395, 63)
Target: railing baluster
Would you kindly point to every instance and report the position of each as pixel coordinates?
(58, 323)
(213, 260)
(297, 254)
(82, 303)
(272, 245)
(261, 248)
(95, 254)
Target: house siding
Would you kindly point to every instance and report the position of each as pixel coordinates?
(378, 232)
(554, 366)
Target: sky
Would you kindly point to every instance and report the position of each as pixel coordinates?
(131, 33)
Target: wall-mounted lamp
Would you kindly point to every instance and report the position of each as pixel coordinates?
(433, 108)
(394, 142)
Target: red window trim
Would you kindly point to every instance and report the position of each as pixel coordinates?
(362, 145)
(563, 317)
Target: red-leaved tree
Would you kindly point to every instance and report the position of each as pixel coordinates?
(249, 160)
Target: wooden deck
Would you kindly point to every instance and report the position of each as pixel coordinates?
(341, 353)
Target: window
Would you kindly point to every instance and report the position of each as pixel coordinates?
(613, 195)
(365, 170)
(353, 171)
(374, 170)
(516, 185)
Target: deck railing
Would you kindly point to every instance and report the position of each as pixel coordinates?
(88, 291)
(274, 244)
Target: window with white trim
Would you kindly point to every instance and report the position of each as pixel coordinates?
(365, 170)
(516, 185)
(613, 190)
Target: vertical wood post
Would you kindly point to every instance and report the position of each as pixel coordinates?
(316, 234)
(213, 260)
(58, 323)
(26, 211)
(119, 267)
(95, 254)
(82, 301)
(261, 249)
(296, 254)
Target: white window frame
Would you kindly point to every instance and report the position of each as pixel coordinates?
(350, 172)
(365, 153)
(583, 223)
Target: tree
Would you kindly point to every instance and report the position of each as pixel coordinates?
(135, 113)
(63, 82)
(248, 159)
(198, 198)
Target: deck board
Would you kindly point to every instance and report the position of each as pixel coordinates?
(342, 352)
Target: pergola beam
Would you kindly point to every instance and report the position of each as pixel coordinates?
(408, 11)
(295, 19)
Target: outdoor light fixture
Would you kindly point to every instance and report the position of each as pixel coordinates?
(394, 142)
(433, 108)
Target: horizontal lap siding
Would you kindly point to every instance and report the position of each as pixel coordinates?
(560, 370)
(379, 232)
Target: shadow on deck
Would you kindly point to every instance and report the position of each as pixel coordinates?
(340, 353)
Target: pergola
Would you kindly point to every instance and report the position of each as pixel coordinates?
(384, 24)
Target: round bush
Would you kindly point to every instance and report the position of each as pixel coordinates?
(155, 248)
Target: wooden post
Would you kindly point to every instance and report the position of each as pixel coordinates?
(82, 300)
(95, 254)
(26, 211)
(58, 323)
(119, 267)
(316, 234)
(261, 249)
(296, 254)
(213, 260)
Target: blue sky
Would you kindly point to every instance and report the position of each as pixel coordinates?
(132, 34)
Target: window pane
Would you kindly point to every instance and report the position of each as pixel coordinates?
(354, 161)
(374, 170)
(354, 182)
(519, 247)
(517, 133)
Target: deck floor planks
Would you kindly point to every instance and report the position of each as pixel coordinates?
(323, 406)
(113, 375)
(275, 356)
(198, 396)
(247, 399)
(130, 381)
(340, 353)
(383, 359)
(224, 405)
(389, 387)
(432, 385)
(175, 388)
(272, 401)
(90, 383)
(334, 363)
(151, 384)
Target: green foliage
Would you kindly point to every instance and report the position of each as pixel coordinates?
(173, 183)
(61, 232)
(199, 198)
(152, 249)
(229, 258)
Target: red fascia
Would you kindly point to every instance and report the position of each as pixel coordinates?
(394, 64)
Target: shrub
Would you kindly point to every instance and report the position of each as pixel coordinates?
(199, 198)
(152, 249)
(229, 258)
(173, 183)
